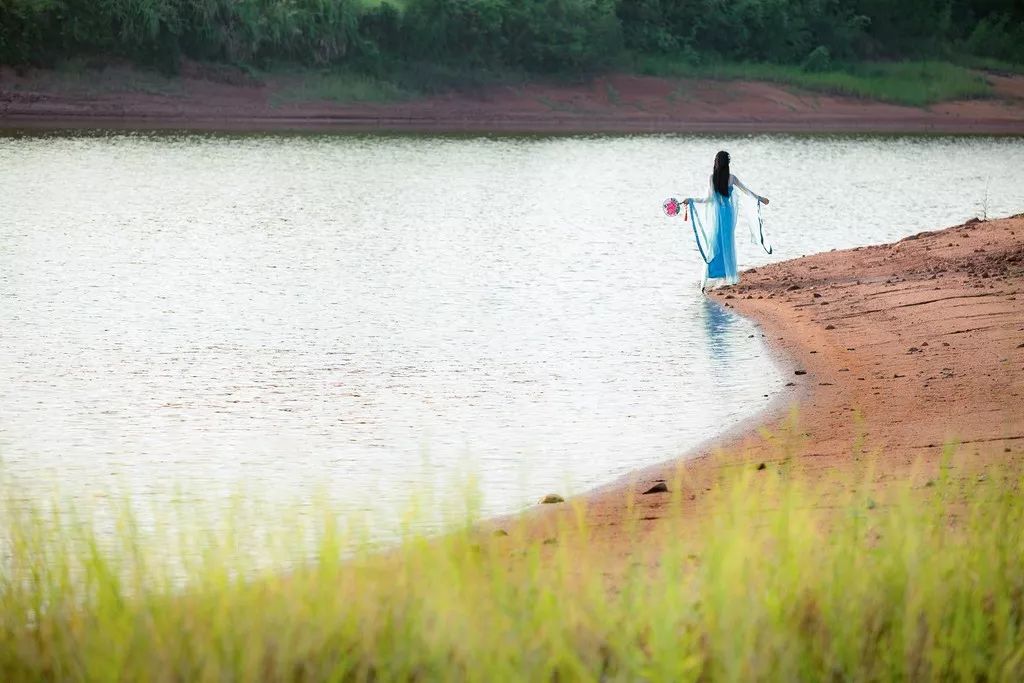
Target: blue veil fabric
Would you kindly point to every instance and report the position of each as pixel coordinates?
(714, 226)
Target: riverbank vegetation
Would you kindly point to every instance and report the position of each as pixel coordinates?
(777, 580)
(427, 45)
(916, 83)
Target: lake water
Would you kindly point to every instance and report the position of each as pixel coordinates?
(374, 316)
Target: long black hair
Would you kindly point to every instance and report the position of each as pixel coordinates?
(720, 178)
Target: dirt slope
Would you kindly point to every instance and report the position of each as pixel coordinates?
(202, 100)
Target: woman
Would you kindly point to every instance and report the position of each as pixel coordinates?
(714, 224)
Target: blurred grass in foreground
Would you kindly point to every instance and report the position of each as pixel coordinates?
(911, 83)
(782, 581)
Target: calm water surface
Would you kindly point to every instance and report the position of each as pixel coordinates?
(373, 316)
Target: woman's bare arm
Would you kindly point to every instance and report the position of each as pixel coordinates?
(736, 181)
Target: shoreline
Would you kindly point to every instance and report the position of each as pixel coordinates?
(617, 103)
(902, 349)
(776, 410)
(553, 126)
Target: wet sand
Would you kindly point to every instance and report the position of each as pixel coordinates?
(892, 352)
(613, 104)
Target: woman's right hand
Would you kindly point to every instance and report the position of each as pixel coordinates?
(763, 200)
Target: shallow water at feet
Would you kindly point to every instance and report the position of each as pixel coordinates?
(373, 316)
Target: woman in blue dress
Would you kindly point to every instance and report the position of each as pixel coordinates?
(714, 223)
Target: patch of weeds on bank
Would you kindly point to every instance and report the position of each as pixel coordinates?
(612, 93)
(84, 77)
(913, 83)
(995, 66)
(334, 86)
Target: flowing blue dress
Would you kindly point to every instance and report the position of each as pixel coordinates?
(714, 226)
(723, 263)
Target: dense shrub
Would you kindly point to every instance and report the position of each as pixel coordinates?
(999, 36)
(908, 28)
(536, 35)
(157, 31)
(530, 35)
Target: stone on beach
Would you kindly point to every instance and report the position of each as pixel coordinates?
(551, 498)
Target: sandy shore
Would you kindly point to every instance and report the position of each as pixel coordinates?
(892, 352)
(613, 104)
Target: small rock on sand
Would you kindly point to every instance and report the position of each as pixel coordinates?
(551, 498)
(659, 487)
(799, 372)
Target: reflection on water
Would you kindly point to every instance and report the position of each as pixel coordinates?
(718, 323)
(726, 347)
(376, 314)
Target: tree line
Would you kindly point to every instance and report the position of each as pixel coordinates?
(533, 36)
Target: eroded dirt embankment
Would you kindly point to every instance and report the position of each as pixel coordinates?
(619, 103)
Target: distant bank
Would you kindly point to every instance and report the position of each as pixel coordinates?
(221, 101)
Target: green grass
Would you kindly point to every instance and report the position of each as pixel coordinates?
(395, 83)
(336, 86)
(910, 83)
(782, 581)
(988, 64)
(614, 97)
(76, 76)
